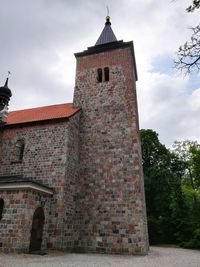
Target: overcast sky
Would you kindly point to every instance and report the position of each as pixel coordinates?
(38, 39)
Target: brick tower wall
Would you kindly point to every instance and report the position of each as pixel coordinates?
(111, 214)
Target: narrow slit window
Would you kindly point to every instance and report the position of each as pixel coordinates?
(21, 153)
(99, 75)
(1, 207)
(106, 74)
(20, 150)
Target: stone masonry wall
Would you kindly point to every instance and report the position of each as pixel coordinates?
(111, 214)
(71, 182)
(16, 222)
(49, 158)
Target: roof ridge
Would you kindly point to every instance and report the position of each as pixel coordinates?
(40, 107)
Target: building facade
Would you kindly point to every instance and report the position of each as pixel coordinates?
(71, 174)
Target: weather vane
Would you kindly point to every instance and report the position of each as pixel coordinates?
(9, 74)
(107, 11)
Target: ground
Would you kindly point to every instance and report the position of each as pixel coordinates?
(158, 257)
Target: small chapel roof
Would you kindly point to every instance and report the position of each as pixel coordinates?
(41, 114)
(107, 35)
(18, 182)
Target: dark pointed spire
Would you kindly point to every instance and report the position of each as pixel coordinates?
(5, 94)
(107, 35)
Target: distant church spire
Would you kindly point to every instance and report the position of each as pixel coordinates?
(107, 35)
(5, 95)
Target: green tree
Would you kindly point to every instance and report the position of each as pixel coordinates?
(195, 165)
(189, 152)
(189, 235)
(183, 227)
(162, 175)
(172, 187)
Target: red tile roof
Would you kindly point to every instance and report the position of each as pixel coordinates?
(41, 113)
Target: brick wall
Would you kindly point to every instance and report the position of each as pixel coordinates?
(111, 215)
(71, 182)
(16, 222)
(50, 157)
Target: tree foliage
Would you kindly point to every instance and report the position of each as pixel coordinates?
(172, 187)
(162, 174)
(189, 152)
(195, 165)
(188, 55)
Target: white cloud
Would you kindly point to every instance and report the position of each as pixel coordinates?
(194, 101)
(162, 101)
(38, 39)
(190, 122)
(166, 105)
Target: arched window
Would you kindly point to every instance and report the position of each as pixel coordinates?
(1, 207)
(106, 74)
(20, 145)
(99, 75)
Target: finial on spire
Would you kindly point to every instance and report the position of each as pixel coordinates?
(107, 11)
(107, 35)
(107, 17)
(6, 83)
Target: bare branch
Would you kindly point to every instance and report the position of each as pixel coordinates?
(188, 55)
(195, 5)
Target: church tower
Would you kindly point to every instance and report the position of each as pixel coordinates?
(111, 213)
